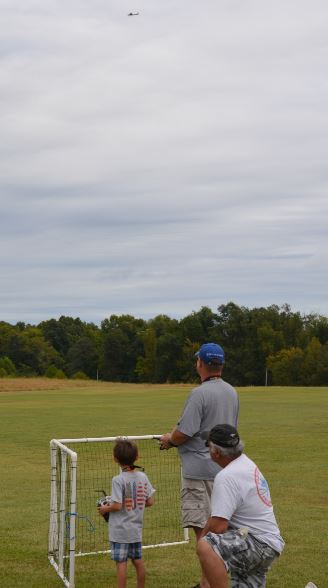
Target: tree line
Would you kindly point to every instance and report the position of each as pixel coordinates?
(272, 345)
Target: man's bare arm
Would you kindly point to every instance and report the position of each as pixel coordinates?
(215, 525)
(173, 439)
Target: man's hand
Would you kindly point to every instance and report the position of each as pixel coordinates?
(215, 525)
(173, 439)
(165, 441)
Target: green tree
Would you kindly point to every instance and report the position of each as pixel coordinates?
(168, 348)
(53, 372)
(292, 326)
(263, 338)
(146, 364)
(317, 326)
(29, 352)
(286, 367)
(199, 326)
(80, 376)
(83, 356)
(315, 364)
(187, 362)
(7, 367)
(233, 333)
(6, 332)
(162, 349)
(120, 348)
(56, 333)
(269, 340)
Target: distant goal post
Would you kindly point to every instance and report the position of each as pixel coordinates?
(81, 473)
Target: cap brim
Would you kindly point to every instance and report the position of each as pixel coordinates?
(205, 435)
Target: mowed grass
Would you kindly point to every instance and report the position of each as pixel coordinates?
(285, 430)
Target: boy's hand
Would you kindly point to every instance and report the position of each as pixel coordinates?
(103, 509)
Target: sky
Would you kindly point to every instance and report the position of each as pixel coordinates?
(158, 163)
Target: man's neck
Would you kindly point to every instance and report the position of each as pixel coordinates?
(211, 377)
(224, 460)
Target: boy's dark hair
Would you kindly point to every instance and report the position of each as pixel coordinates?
(125, 451)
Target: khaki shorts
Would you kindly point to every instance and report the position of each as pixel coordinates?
(196, 502)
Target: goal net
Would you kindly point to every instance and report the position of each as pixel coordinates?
(81, 474)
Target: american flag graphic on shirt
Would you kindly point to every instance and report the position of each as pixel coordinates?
(134, 495)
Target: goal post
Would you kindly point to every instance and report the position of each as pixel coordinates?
(61, 542)
(81, 473)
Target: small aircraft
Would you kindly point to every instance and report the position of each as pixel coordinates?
(133, 13)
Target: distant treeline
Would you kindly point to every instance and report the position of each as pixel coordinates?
(270, 345)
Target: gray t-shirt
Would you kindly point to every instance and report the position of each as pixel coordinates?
(132, 489)
(212, 403)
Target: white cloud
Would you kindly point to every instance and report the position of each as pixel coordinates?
(159, 163)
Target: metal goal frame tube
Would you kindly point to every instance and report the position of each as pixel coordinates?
(132, 438)
(72, 526)
(96, 439)
(62, 512)
(53, 526)
(56, 444)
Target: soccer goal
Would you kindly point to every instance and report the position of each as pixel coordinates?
(81, 474)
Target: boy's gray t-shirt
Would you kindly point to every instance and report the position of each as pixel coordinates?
(212, 403)
(132, 489)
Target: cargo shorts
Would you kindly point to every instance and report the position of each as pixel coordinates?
(247, 559)
(196, 502)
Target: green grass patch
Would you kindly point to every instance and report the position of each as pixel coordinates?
(286, 433)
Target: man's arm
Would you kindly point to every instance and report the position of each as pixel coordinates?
(173, 439)
(215, 525)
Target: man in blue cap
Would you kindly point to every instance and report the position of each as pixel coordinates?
(214, 401)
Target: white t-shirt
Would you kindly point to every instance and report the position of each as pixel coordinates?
(241, 496)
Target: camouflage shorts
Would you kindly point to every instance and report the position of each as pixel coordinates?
(246, 558)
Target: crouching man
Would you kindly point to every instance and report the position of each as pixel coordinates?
(241, 536)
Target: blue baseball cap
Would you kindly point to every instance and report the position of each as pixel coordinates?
(211, 353)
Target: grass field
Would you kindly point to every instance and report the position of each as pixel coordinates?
(285, 430)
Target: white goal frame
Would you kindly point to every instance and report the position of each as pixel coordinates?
(63, 508)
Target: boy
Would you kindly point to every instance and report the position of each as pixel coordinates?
(131, 493)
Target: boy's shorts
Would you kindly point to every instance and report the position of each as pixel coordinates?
(196, 502)
(124, 551)
(246, 558)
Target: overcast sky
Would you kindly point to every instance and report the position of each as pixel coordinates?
(158, 163)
